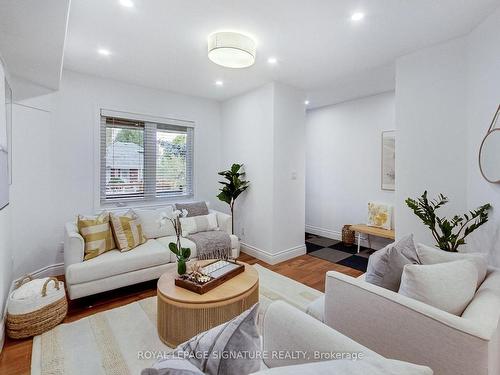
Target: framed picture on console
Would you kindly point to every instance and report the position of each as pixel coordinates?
(388, 170)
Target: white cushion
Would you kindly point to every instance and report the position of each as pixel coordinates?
(367, 366)
(447, 286)
(164, 241)
(484, 309)
(432, 255)
(152, 225)
(317, 308)
(114, 262)
(195, 224)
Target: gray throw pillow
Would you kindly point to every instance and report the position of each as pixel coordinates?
(194, 208)
(385, 266)
(173, 366)
(213, 351)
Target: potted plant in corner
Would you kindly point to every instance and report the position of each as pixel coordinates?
(449, 234)
(182, 253)
(232, 189)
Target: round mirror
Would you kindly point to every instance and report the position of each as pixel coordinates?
(489, 156)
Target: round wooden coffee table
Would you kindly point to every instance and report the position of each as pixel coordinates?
(183, 314)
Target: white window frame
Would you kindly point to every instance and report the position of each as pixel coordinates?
(136, 202)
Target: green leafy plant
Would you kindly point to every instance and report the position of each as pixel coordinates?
(232, 189)
(449, 234)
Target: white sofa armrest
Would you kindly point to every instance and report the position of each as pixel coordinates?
(74, 245)
(401, 328)
(223, 221)
(287, 329)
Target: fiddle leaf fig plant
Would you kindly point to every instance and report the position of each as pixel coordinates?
(448, 233)
(232, 187)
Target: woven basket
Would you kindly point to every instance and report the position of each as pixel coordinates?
(347, 235)
(34, 315)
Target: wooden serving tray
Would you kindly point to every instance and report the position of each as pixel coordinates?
(215, 282)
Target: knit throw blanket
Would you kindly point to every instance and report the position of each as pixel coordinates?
(212, 245)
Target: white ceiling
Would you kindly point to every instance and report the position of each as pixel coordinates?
(32, 34)
(163, 43)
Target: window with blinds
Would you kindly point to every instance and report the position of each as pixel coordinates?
(144, 159)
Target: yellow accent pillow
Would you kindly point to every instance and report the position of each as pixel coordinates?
(127, 230)
(96, 232)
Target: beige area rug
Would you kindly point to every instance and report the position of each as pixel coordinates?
(117, 341)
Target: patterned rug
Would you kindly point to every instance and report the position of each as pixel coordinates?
(338, 252)
(124, 340)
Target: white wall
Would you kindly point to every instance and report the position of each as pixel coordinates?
(483, 98)
(264, 129)
(247, 137)
(289, 168)
(431, 139)
(446, 96)
(34, 191)
(5, 230)
(57, 152)
(343, 160)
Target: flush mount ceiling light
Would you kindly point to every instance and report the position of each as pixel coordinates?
(104, 52)
(272, 60)
(357, 16)
(127, 3)
(231, 49)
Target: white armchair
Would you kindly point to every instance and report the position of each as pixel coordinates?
(286, 329)
(402, 328)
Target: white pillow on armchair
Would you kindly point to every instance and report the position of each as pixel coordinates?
(433, 255)
(447, 286)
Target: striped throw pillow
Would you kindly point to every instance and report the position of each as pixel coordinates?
(96, 232)
(127, 230)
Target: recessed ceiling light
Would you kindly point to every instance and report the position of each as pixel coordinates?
(357, 16)
(127, 3)
(104, 51)
(219, 83)
(306, 102)
(272, 60)
(231, 49)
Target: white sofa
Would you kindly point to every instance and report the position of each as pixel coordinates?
(287, 330)
(406, 329)
(115, 269)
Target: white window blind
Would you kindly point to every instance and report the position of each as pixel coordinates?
(144, 160)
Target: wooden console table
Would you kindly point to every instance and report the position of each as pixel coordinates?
(372, 231)
(183, 314)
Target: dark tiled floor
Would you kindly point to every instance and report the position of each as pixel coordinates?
(337, 252)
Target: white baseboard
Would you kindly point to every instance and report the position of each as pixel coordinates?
(47, 271)
(273, 258)
(333, 234)
(323, 232)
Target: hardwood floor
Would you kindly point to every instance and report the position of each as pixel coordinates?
(15, 358)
